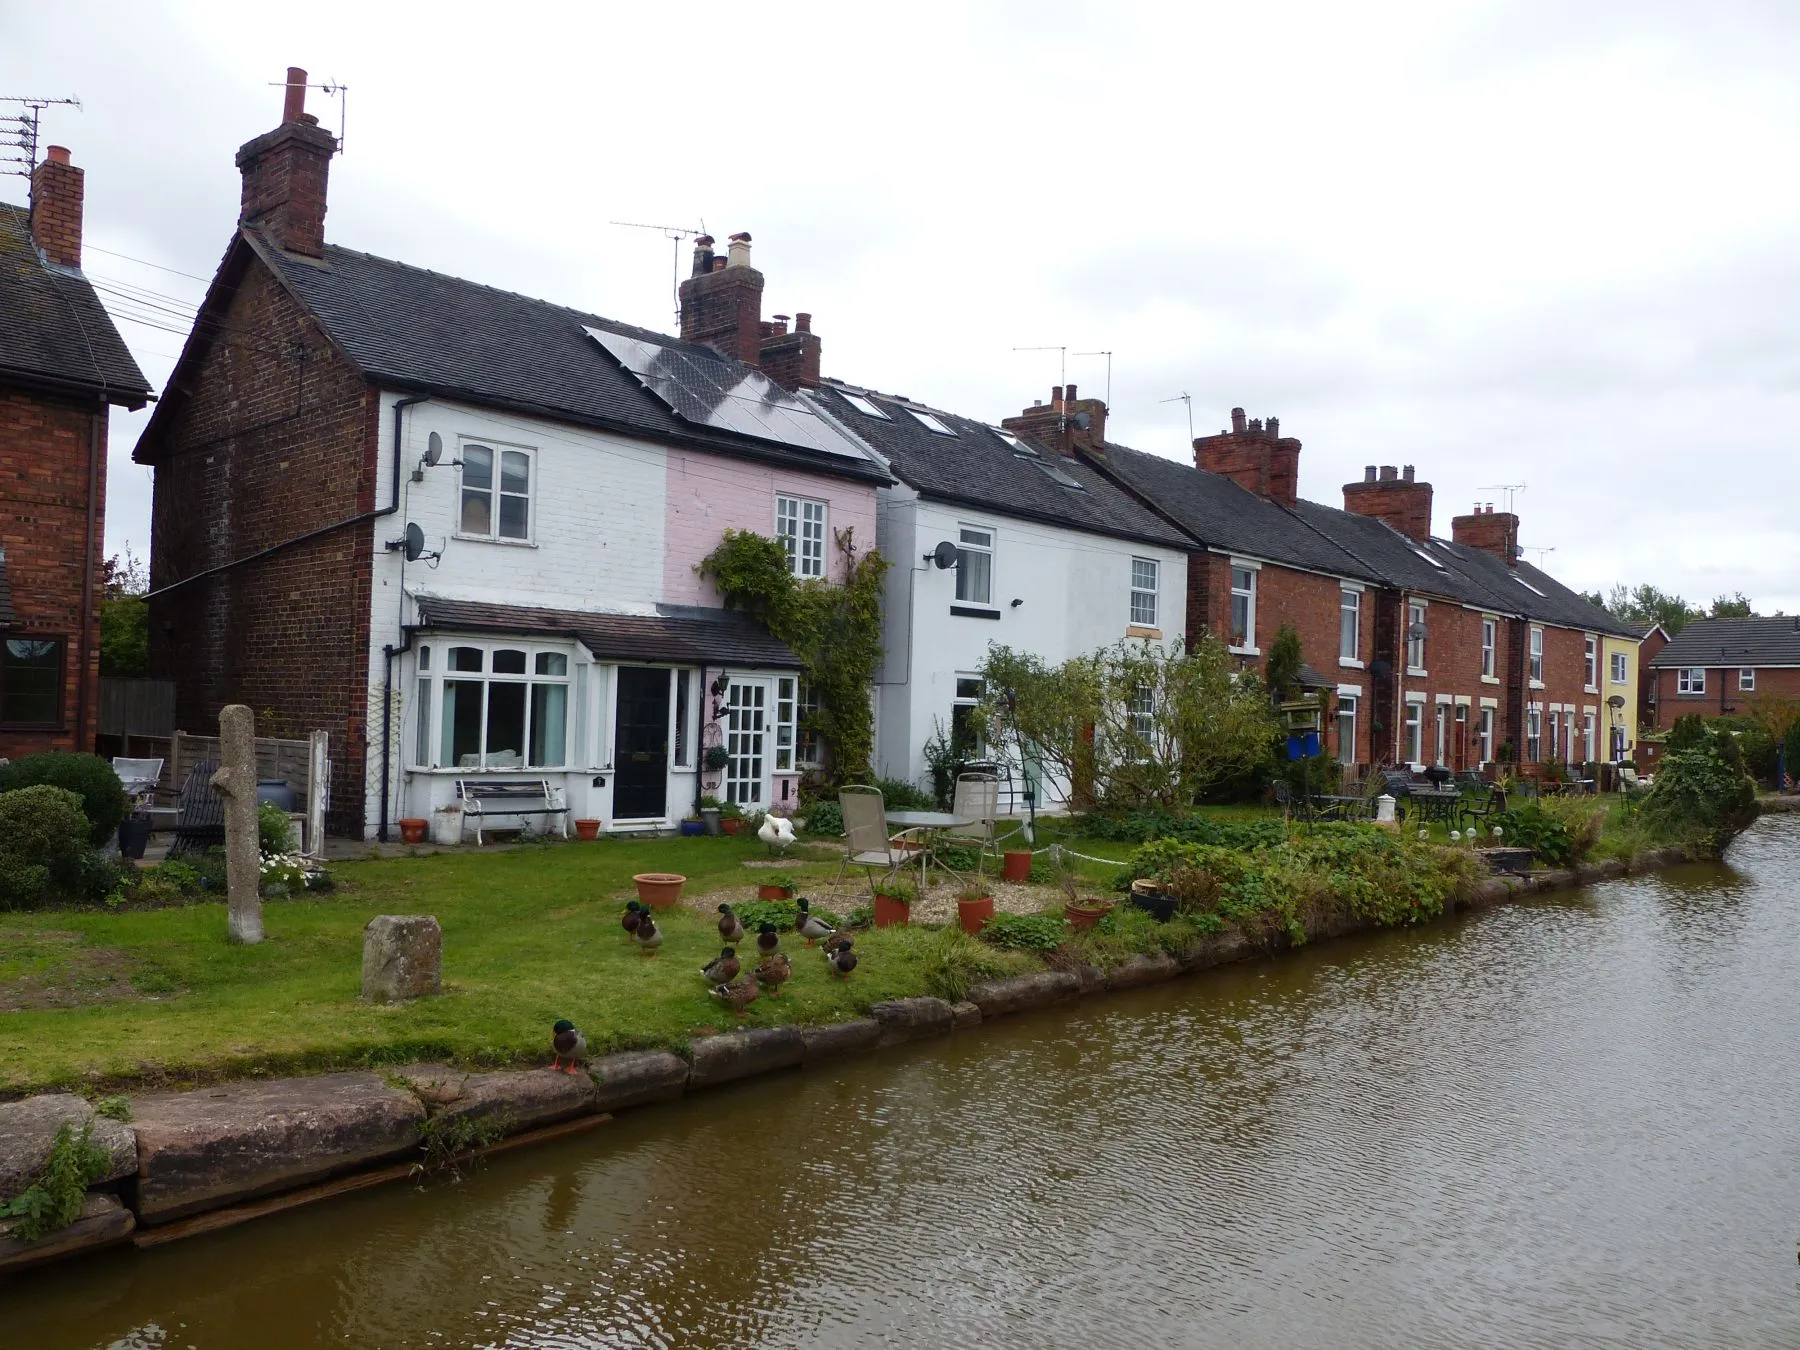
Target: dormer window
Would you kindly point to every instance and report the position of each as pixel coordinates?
(930, 423)
(867, 407)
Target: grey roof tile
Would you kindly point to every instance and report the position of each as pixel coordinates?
(1734, 642)
(684, 634)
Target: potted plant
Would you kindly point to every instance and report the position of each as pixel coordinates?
(780, 886)
(1080, 911)
(974, 908)
(692, 825)
(731, 818)
(716, 758)
(134, 835)
(587, 829)
(413, 828)
(710, 807)
(1147, 894)
(1015, 866)
(893, 904)
(659, 890)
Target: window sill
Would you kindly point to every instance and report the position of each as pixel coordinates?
(1350, 663)
(972, 612)
(1490, 679)
(1534, 684)
(495, 539)
(1418, 672)
(1138, 630)
(1245, 651)
(1590, 688)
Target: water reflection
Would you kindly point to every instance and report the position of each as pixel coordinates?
(1568, 1122)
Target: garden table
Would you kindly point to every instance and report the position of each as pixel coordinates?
(930, 826)
(1436, 803)
(1342, 808)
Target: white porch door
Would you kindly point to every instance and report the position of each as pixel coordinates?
(746, 741)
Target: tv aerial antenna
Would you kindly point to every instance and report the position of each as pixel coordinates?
(331, 89)
(1109, 357)
(676, 234)
(1189, 400)
(19, 131)
(1508, 488)
(1538, 549)
(1062, 357)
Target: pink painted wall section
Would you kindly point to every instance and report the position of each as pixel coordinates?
(708, 494)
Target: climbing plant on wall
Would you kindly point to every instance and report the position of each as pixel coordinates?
(834, 629)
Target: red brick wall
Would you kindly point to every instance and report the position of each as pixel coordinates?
(1770, 682)
(276, 439)
(45, 445)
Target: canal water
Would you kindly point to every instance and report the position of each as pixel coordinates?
(1572, 1122)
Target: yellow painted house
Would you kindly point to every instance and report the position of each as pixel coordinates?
(1618, 696)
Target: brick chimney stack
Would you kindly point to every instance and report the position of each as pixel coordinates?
(1393, 496)
(285, 173)
(56, 193)
(1254, 456)
(790, 359)
(1066, 424)
(722, 306)
(1491, 531)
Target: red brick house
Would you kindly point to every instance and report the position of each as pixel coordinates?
(63, 366)
(1712, 666)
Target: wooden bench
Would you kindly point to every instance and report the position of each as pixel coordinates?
(534, 797)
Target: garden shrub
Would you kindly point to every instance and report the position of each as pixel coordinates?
(1701, 799)
(1532, 826)
(1024, 932)
(1791, 747)
(1583, 818)
(955, 963)
(781, 913)
(824, 817)
(274, 831)
(1138, 827)
(43, 840)
(88, 776)
(900, 795)
(1687, 732)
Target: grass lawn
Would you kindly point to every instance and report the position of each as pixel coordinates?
(530, 935)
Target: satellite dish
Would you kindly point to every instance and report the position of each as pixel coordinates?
(1083, 420)
(434, 450)
(415, 543)
(944, 555)
(1616, 701)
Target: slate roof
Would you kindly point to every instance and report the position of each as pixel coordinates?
(422, 330)
(1733, 642)
(975, 467)
(683, 634)
(54, 332)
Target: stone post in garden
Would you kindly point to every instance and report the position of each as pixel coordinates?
(236, 783)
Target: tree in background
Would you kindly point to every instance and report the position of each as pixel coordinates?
(125, 617)
(1644, 605)
(1285, 660)
(1736, 606)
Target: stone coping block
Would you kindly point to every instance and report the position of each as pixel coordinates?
(1219, 949)
(1091, 979)
(839, 1040)
(1485, 893)
(637, 1078)
(740, 1054)
(28, 1129)
(909, 1019)
(524, 1099)
(997, 998)
(1556, 879)
(1143, 969)
(216, 1146)
(967, 1015)
(103, 1221)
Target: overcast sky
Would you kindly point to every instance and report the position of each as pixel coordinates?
(1545, 243)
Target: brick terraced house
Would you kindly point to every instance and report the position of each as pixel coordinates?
(1712, 666)
(457, 527)
(63, 367)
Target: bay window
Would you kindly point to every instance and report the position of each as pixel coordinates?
(497, 706)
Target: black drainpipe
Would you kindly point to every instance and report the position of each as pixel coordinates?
(390, 651)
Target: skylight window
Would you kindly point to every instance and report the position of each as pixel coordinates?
(1433, 561)
(864, 406)
(1056, 475)
(1018, 446)
(1526, 584)
(930, 423)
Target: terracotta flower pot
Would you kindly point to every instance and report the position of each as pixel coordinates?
(413, 828)
(1085, 915)
(587, 829)
(891, 912)
(732, 824)
(659, 890)
(774, 893)
(973, 915)
(1015, 866)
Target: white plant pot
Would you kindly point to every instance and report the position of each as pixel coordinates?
(447, 824)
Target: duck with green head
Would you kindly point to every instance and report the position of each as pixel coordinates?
(723, 968)
(809, 925)
(567, 1043)
(649, 936)
(731, 928)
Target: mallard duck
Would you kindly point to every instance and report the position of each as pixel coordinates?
(567, 1043)
(841, 959)
(632, 917)
(649, 936)
(723, 968)
(835, 941)
(739, 994)
(731, 928)
(773, 971)
(767, 939)
(810, 926)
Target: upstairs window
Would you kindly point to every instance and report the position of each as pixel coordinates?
(1619, 668)
(1243, 606)
(31, 678)
(864, 406)
(1349, 626)
(1747, 680)
(496, 493)
(800, 525)
(1143, 592)
(930, 423)
(1690, 680)
(975, 565)
(1537, 658)
(1415, 636)
(1489, 628)
(1590, 677)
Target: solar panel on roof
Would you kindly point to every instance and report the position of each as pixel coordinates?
(724, 396)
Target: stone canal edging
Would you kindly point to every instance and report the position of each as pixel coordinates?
(222, 1151)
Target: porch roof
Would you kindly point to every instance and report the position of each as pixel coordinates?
(680, 634)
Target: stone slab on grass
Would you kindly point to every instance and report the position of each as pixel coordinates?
(838, 1040)
(403, 958)
(28, 1129)
(521, 1100)
(637, 1078)
(103, 1221)
(997, 998)
(739, 1054)
(910, 1019)
(216, 1146)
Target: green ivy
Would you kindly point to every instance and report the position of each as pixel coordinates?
(834, 630)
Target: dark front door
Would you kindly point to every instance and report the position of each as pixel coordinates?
(641, 763)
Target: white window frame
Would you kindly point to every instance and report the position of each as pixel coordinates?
(931, 423)
(1143, 599)
(1347, 706)
(1690, 680)
(863, 405)
(1350, 610)
(1620, 668)
(809, 746)
(1590, 655)
(437, 673)
(1590, 735)
(1484, 736)
(1417, 611)
(1490, 646)
(1746, 679)
(1534, 733)
(1412, 728)
(1143, 713)
(1248, 646)
(958, 699)
(1534, 658)
(801, 526)
(1442, 719)
(990, 549)
(787, 706)
(1551, 726)
(499, 450)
